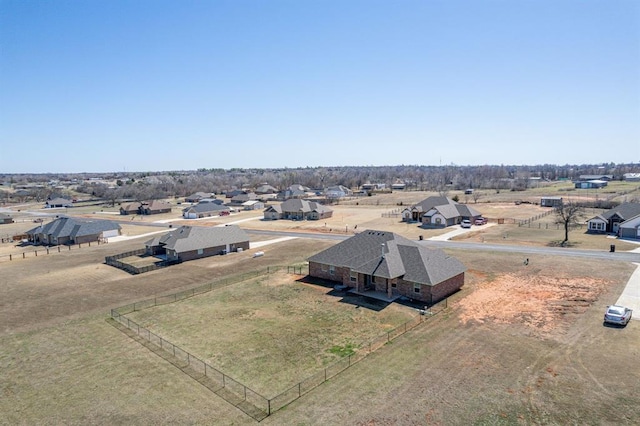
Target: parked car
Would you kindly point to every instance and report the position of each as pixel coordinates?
(481, 221)
(616, 314)
(466, 223)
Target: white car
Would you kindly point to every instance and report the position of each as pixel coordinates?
(466, 223)
(617, 315)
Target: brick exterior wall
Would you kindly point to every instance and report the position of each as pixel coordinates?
(427, 294)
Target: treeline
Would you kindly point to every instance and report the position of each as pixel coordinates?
(155, 185)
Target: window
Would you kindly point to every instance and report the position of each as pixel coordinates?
(438, 221)
(354, 276)
(373, 279)
(332, 269)
(416, 288)
(200, 251)
(394, 285)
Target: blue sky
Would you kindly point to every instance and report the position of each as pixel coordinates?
(150, 85)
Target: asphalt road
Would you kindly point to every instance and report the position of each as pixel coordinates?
(557, 251)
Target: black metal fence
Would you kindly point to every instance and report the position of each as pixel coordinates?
(243, 397)
(46, 250)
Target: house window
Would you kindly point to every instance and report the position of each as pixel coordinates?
(373, 279)
(438, 221)
(332, 269)
(416, 288)
(200, 251)
(354, 276)
(394, 285)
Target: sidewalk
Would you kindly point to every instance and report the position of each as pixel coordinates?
(630, 296)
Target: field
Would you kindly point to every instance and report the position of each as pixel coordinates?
(520, 344)
(271, 332)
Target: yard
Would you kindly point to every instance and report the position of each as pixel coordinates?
(272, 332)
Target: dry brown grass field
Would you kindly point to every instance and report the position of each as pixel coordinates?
(520, 344)
(273, 331)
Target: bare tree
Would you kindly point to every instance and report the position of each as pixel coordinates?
(476, 195)
(568, 214)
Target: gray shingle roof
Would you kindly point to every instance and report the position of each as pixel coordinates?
(446, 207)
(188, 238)
(402, 258)
(72, 227)
(206, 207)
(624, 210)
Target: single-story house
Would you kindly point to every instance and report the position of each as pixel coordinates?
(5, 219)
(189, 243)
(591, 184)
(398, 186)
(207, 209)
(253, 205)
(296, 209)
(265, 188)
(130, 208)
(390, 264)
(631, 177)
(373, 186)
(238, 200)
(66, 230)
(196, 197)
(630, 228)
(439, 212)
(294, 191)
(58, 202)
(155, 207)
(609, 221)
(337, 191)
(551, 202)
(595, 177)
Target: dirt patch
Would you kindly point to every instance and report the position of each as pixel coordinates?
(540, 304)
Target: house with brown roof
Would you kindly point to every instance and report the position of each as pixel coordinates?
(189, 243)
(155, 207)
(387, 264)
(296, 209)
(130, 208)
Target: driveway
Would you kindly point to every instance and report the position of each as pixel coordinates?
(630, 296)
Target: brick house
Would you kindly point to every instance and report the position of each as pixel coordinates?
(66, 230)
(391, 265)
(296, 209)
(439, 212)
(189, 243)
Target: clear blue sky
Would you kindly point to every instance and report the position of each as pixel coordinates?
(150, 85)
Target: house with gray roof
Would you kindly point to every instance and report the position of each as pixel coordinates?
(67, 230)
(337, 191)
(609, 221)
(196, 197)
(58, 202)
(296, 209)
(5, 219)
(206, 209)
(630, 228)
(189, 243)
(389, 264)
(439, 212)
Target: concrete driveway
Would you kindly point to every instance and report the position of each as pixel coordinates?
(630, 296)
